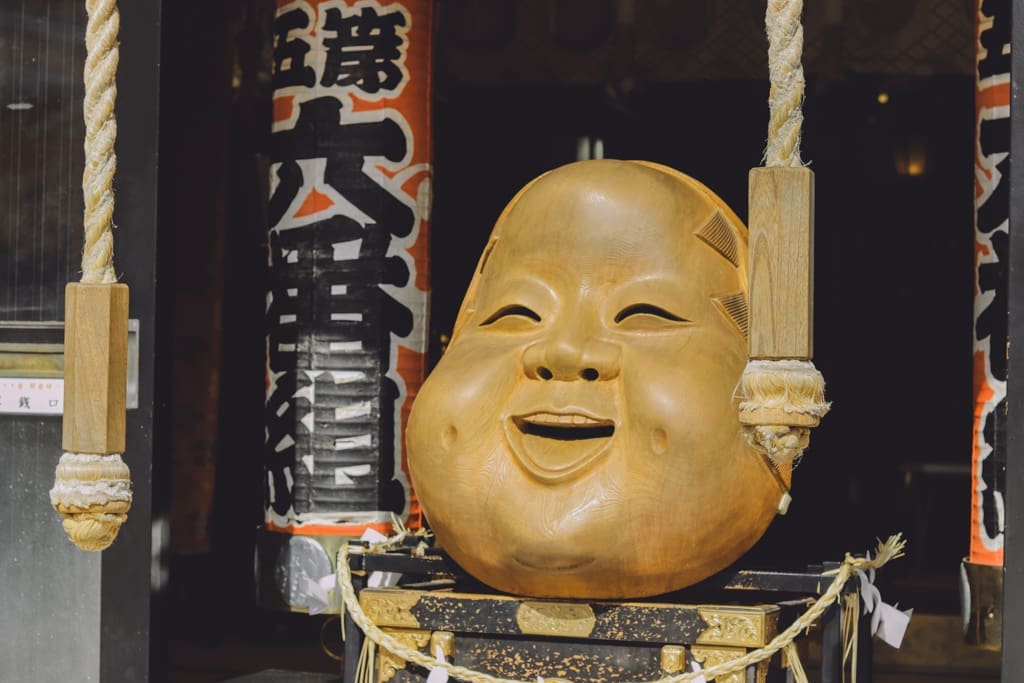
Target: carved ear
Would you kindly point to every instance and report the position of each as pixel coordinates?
(734, 307)
(717, 234)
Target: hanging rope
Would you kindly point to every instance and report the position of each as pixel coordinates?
(102, 56)
(786, 73)
(782, 393)
(92, 489)
(890, 550)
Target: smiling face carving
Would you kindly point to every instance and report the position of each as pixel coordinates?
(579, 438)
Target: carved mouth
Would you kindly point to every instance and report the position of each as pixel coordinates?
(555, 446)
(565, 426)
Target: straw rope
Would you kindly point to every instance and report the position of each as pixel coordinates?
(795, 665)
(102, 56)
(786, 73)
(92, 492)
(890, 550)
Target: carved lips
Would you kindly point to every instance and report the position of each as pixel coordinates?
(557, 445)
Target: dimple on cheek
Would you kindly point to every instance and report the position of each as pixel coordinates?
(659, 441)
(449, 436)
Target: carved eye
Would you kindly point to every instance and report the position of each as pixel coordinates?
(639, 314)
(515, 312)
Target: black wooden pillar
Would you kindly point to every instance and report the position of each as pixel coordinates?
(128, 567)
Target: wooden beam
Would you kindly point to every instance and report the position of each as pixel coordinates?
(95, 368)
(781, 263)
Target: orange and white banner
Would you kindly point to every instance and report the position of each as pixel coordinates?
(348, 254)
(991, 243)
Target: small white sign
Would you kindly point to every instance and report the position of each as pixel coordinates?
(28, 396)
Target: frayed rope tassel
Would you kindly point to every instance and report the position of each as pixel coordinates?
(93, 494)
(780, 401)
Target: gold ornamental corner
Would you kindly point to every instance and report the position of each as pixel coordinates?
(738, 626)
(556, 619)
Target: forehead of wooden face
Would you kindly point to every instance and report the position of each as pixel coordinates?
(595, 223)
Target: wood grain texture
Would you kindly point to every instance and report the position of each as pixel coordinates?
(95, 368)
(781, 263)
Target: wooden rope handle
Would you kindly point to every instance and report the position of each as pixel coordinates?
(92, 489)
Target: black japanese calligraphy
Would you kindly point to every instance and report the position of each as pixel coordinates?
(328, 314)
(364, 50)
(290, 52)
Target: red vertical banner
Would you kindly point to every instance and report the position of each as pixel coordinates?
(991, 226)
(348, 257)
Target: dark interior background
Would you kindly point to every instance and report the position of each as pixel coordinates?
(894, 257)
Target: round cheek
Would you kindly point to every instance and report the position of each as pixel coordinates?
(454, 433)
(666, 409)
(461, 403)
(685, 421)
(679, 407)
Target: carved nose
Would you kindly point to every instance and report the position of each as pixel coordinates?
(593, 360)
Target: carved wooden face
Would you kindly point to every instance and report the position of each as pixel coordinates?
(579, 438)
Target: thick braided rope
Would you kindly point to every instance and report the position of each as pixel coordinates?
(785, 100)
(92, 492)
(100, 132)
(890, 550)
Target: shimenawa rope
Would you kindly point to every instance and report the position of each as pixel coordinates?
(890, 550)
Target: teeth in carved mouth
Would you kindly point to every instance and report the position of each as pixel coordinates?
(565, 426)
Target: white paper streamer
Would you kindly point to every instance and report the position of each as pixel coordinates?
(438, 675)
(888, 622)
(379, 579)
(318, 592)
